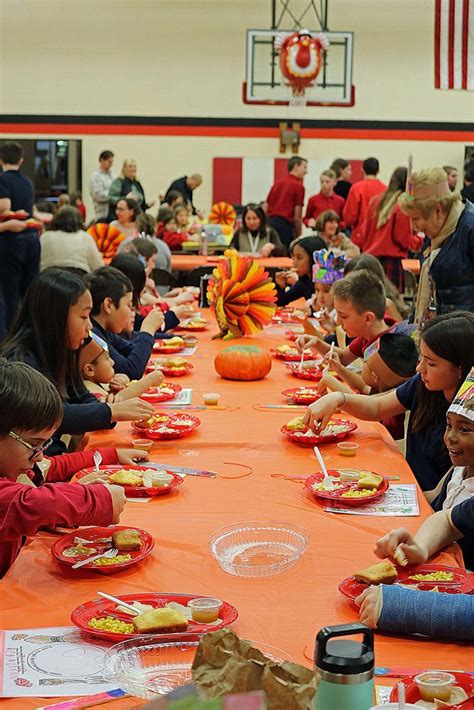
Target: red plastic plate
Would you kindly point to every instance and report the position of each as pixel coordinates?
(174, 422)
(190, 327)
(313, 372)
(19, 214)
(316, 440)
(294, 355)
(98, 608)
(460, 584)
(97, 533)
(336, 496)
(159, 347)
(156, 394)
(168, 371)
(301, 395)
(136, 491)
(412, 694)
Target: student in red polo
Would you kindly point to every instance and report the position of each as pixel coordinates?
(284, 205)
(360, 194)
(325, 200)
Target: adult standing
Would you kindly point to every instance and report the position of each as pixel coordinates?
(355, 209)
(447, 274)
(99, 185)
(185, 186)
(343, 170)
(387, 233)
(19, 246)
(452, 175)
(284, 204)
(467, 193)
(127, 185)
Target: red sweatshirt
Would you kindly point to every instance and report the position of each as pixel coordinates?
(174, 239)
(319, 203)
(357, 203)
(395, 238)
(25, 509)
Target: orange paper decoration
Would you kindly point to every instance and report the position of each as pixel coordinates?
(222, 213)
(107, 238)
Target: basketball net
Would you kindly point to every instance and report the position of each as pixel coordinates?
(295, 101)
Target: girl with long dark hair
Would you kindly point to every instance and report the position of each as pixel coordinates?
(300, 280)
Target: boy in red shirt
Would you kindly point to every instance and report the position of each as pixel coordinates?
(284, 205)
(359, 300)
(325, 200)
(31, 412)
(360, 194)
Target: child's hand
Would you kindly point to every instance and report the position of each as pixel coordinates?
(291, 277)
(173, 293)
(153, 321)
(93, 477)
(132, 410)
(117, 494)
(319, 413)
(153, 379)
(184, 297)
(280, 279)
(118, 382)
(370, 603)
(334, 363)
(127, 457)
(183, 312)
(303, 342)
(328, 323)
(400, 538)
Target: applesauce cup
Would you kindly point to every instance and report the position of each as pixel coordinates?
(142, 444)
(205, 610)
(347, 448)
(434, 685)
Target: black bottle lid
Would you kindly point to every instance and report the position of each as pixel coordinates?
(342, 655)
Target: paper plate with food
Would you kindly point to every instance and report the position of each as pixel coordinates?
(426, 578)
(163, 393)
(170, 367)
(350, 486)
(170, 345)
(138, 481)
(288, 315)
(133, 545)
(196, 324)
(292, 354)
(301, 395)
(437, 689)
(11, 214)
(300, 433)
(167, 426)
(310, 371)
(170, 615)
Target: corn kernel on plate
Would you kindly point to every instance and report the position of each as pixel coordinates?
(347, 492)
(94, 540)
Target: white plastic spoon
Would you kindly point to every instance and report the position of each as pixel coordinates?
(327, 483)
(401, 696)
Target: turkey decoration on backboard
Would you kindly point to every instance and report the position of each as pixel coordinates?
(301, 58)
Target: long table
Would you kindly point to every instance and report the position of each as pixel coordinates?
(285, 611)
(188, 262)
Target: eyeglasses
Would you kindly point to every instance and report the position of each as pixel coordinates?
(35, 450)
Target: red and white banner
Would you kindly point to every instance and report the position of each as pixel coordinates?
(454, 44)
(243, 180)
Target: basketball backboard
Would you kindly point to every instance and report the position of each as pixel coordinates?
(265, 84)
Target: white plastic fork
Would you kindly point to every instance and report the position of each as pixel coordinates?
(109, 554)
(327, 484)
(97, 460)
(119, 602)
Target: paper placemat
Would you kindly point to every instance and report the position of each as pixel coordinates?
(51, 662)
(399, 500)
(188, 351)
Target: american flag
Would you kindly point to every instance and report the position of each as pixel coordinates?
(454, 44)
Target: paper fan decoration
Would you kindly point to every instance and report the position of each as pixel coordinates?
(107, 237)
(222, 213)
(241, 295)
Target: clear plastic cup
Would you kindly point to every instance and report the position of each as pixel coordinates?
(434, 685)
(347, 448)
(211, 399)
(142, 444)
(205, 609)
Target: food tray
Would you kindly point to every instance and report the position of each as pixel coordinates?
(299, 438)
(135, 491)
(336, 496)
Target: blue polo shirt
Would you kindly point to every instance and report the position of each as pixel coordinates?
(426, 453)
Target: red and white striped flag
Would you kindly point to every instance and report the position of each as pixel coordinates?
(454, 44)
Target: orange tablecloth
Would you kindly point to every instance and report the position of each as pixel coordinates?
(285, 611)
(187, 262)
(412, 265)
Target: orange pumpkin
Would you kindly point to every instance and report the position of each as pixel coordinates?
(243, 362)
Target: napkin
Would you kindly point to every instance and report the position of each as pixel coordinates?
(225, 664)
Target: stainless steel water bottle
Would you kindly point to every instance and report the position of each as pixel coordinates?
(345, 668)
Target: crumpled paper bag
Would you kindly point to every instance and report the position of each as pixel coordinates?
(225, 664)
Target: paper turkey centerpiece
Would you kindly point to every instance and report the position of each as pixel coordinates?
(241, 295)
(107, 237)
(222, 213)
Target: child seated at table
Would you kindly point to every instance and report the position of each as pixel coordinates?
(168, 231)
(388, 362)
(301, 279)
(112, 313)
(359, 300)
(97, 369)
(184, 222)
(458, 483)
(31, 414)
(399, 610)
(328, 268)
(395, 307)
